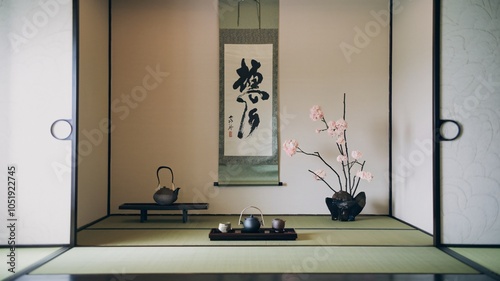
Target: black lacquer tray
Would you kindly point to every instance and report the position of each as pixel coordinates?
(262, 234)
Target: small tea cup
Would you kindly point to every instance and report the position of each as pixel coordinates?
(224, 227)
(278, 224)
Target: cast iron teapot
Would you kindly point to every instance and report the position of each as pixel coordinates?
(164, 195)
(251, 224)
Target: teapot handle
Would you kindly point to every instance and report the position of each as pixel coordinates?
(261, 215)
(158, 175)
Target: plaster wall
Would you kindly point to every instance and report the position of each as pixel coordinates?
(165, 111)
(93, 111)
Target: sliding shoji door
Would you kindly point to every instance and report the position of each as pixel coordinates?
(36, 122)
(470, 96)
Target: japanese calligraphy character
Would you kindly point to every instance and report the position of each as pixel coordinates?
(251, 79)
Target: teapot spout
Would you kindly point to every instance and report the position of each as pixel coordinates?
(176, 191)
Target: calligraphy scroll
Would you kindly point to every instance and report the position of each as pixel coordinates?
(248, 123)
(248, 99)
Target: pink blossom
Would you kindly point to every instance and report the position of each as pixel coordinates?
(319, 174)
(331, 128)
(340, 139)
(364, 175)
(356, 154)
(316, 113)
(337, 131)
(341, 158)
(290, 147)
(341, 125)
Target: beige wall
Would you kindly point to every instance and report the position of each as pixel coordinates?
(165, 100)
(93, 112)
(412, 113)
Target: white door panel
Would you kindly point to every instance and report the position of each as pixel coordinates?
(470, 95)
(36, 90)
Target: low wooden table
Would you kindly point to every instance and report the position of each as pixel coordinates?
(144, 207)
(262, 234)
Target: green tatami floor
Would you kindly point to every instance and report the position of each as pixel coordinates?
(25, 257)
(257, 259)
(372, 245)
(311, 231)
(486, 257)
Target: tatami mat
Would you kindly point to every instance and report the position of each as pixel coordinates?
(487, 257)
(311, 230)
(307, 259)
(165, 245)
(199, 237)
(212, 221)
(24, 257)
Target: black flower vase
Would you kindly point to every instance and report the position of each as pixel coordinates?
(345, 208)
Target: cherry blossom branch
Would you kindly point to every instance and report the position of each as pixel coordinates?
(326, 163)
(321, 178)
(343, 166)
(347, 154)
(348, 176)
(362, 166)
(336, 129)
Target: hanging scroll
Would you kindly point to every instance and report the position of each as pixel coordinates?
(248, 99)
(248, 123)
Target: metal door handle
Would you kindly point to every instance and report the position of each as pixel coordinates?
(440, 125)
(62, 129)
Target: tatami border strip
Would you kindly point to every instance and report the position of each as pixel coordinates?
(39, 263)
(470, 263)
